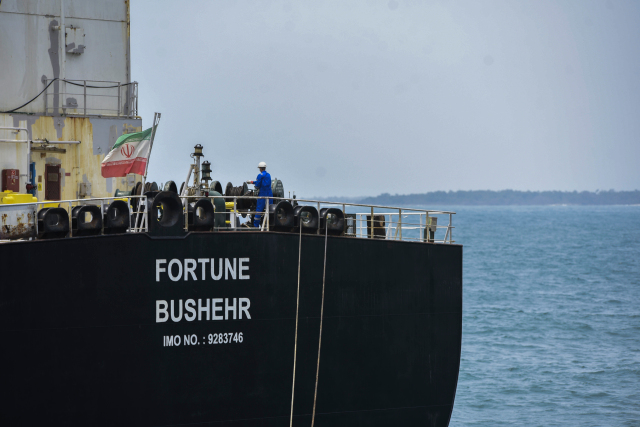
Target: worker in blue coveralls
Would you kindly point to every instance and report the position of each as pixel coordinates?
(263, 187)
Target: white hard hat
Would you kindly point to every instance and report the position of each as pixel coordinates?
(262, 165)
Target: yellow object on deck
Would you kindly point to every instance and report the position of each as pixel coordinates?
(229, 206)
(8, 197)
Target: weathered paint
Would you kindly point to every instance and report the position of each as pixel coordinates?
(82, 161)
(106, 131)
(17, 222)
(32, 50)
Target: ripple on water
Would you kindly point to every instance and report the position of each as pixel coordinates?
(551, 328)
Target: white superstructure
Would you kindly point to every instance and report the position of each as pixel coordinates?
(79, 51)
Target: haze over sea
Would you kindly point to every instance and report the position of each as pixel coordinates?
(551, 332)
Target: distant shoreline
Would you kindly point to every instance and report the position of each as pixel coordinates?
(500, 198)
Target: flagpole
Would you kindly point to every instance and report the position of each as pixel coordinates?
(156, 120)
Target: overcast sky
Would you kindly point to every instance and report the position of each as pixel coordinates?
(355, 98)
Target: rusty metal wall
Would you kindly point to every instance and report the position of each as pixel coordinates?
(80, 163)
(17, 222)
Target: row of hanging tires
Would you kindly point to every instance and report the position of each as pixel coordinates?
(53, 223)
(166, 218)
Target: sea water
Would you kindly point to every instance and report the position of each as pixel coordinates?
(551, 316)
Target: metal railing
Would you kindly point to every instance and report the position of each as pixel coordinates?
(139, 218)
(391, 223)
(91, 98)
(360, 220)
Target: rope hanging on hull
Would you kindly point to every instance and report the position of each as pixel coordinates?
(295, 345)
(324, 275)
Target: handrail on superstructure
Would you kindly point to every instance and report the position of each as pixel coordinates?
(419, 225)
(17, 130)
(128, 108)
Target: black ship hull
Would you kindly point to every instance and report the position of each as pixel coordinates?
(106, 331)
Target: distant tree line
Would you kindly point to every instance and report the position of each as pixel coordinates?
(508, 197)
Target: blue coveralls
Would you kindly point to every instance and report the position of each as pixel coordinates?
(263, 186)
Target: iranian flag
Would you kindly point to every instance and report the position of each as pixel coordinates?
(129, 154)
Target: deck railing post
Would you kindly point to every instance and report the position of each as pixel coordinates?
(102, 214)
(146, 215)
(129, 203)
(450, 228)
(232, 220)
(35, 217)
(372, 225)
(400, 222)
(70, 220)
(186, 211)
(428, 227)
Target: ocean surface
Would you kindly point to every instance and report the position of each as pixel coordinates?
(551, 332)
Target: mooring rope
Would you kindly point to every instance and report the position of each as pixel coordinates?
(295, 345)
(324, 275)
